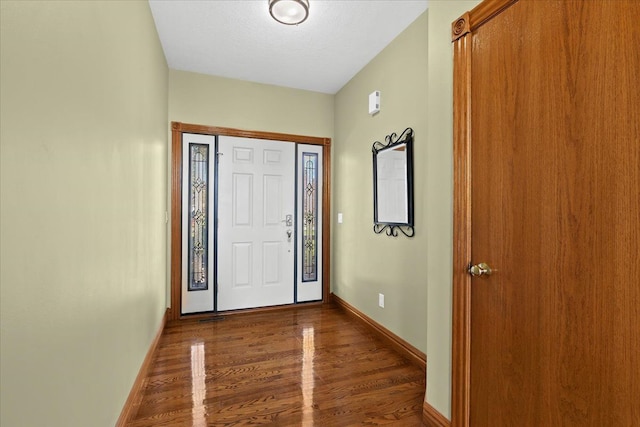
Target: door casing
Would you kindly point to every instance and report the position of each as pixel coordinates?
(177, 129)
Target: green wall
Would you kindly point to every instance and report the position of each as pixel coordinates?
(414, 74)
(364, 263)
(439, 215)
(83, 178)
(218, 101)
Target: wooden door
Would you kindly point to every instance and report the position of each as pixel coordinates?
(547, 146)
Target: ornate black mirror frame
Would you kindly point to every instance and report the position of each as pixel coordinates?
(382, 221)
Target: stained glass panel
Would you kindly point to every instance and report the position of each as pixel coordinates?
(198, 217)
(309, 217)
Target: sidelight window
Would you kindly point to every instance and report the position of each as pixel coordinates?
(310, 217)
(198, 217)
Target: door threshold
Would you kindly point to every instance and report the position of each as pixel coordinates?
(212, 314)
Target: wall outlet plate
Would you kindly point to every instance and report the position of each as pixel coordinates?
(381, 300)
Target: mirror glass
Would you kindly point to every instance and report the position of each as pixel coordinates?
(393, 184)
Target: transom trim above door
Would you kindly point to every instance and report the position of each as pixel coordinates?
(177, 193)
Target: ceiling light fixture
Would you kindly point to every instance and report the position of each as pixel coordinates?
(289, 12)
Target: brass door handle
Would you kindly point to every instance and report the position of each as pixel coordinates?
(481, 269)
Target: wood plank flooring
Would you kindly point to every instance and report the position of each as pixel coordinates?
(307, 366)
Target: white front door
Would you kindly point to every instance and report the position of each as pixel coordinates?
(256, 208)
(198, 276)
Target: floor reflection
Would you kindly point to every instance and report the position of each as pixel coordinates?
(308, 353)
(198, 386)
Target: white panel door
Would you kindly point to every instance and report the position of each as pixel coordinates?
(256, 200)
(309, 227)
(198, 172)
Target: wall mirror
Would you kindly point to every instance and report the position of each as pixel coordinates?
(393, 184)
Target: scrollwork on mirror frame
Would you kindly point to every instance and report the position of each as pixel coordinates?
(391, 224)
(392, 230)
(391, 140)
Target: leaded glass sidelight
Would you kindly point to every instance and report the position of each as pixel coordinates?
(309, 217)
(198, 217)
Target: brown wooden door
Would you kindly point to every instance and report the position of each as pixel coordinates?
(549, 192)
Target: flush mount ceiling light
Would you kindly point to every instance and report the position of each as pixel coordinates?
(289, 12)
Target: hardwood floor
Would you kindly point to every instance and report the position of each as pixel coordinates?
(307, 366)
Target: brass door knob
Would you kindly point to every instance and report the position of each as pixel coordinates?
(481, 269)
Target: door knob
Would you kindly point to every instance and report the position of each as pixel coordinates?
(481, 269)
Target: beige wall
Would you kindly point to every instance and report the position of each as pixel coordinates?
(439, 215)
(83, 178)
(365, 263)
(217, 101)
(414, 75)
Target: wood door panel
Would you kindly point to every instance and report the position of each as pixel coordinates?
(555, 113)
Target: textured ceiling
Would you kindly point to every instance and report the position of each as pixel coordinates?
(239, 39)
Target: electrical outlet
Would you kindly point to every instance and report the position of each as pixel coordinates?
(381, 300)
